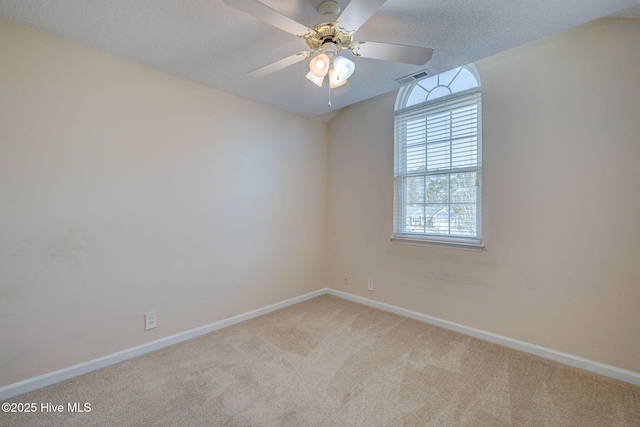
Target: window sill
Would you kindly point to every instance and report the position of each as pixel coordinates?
(437, 243)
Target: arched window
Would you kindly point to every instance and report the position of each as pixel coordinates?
(438, 159)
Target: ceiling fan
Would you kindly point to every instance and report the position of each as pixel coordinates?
(331, 33)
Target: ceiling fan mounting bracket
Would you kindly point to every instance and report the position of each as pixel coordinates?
(329, 7)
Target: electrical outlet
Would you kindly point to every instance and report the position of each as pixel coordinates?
(370, 285)
(150, 320)
(345, 280)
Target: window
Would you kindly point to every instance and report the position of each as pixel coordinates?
(438, 161)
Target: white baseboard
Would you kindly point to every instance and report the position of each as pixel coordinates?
(35, 383)
(557, 356)
(15, 389)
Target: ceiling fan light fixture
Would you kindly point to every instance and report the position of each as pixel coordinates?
(344, 67)
(331, 33)
(315, 79)
(341, 70)
(335, 79)
(319, 66)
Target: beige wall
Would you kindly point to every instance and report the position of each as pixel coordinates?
(124, 190)
(561, 148)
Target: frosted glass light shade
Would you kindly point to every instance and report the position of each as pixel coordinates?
(315, 79)
(319, 65)
(335, 79)
(342, 69)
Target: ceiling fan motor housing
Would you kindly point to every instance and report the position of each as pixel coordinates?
(326, 29)
(330, 49)
(328, 32)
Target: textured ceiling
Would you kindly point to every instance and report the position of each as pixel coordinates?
(211, 43)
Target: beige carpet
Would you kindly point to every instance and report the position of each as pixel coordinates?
(330, 362)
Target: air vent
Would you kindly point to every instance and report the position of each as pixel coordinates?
(413, 77)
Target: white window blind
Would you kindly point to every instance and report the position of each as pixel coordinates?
(438, 170)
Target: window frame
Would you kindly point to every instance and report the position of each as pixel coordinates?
(400, 235)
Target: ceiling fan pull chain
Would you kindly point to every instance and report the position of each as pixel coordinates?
(329, 96)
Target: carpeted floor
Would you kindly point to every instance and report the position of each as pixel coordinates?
(331, 362)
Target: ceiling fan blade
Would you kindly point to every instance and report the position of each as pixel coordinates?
(270, 16)
(358, 12)
(392, 52)
(279, 65)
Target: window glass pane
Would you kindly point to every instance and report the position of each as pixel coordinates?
(417, 96)
(438, 92)
(414, 218)
(463, 187)
(429, 83)
(415, 189)
(465, 80)
(448, 76)
(436, 219)
(443, 84)
(463, 219)
(437, 188)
